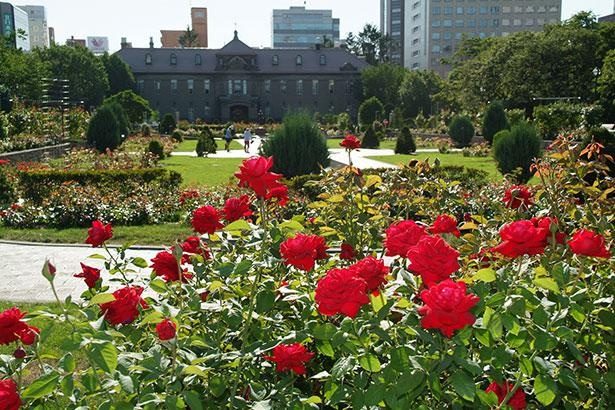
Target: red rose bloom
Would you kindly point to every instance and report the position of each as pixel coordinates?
(237, 208)
(351, 142)
(166, 329)
(588, 243)
(28, 335)
(278, 191)
(401, 236)
(372, 271)
(290, 357)
(206, 219)
(433, 259)
(98, 234)
(254, 173)
(124, 309)
(445, 224)
(90, 274)
(164, 264)
(9, 398)
(11, 325)
(517, 401)
(347, 252)
(447, 307)
(341, 291)
(193, 245)
(303, 250)
(521, 238)
(188, 195)
(518, 196)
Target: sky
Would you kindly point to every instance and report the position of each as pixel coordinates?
(138, 20)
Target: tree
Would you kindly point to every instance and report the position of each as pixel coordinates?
(461, 131)
(370, 139)
(515, 150)
(135, 106)
(189, 38)
(405, 142)
(168, 124)
(119, 74)
(103, 130)
(494, 120)
(120, 117)
(85, 72)
(606, 85)
(383, 81)
(371, 44)
(417, 92)
(21, 73)
(369, 110)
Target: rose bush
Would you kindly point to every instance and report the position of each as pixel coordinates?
(262, 324)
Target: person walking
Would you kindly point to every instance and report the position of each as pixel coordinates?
(247, 139)
(228, 137)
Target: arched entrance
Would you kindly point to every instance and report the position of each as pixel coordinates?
(239, 112)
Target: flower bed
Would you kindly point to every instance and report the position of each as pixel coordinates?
(512, 307)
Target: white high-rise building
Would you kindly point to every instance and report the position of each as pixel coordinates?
(37, 25)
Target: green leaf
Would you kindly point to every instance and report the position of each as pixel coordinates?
(265, 300)
(105, 356)
(378, 302)
(342, 366)
(139, 262)
(193, 399)
(127, 383)
(463, 385)
(374, 394)
(484, 275)
(42, 386)
(158, 285)
(370, 363)
(547, 283)
(243, 267)
(489, 399)
(217, 386)
(324, 331)
(97, 256)
(495, 326)
(326, 349)
(102, 298)
(291, 227)
(196, 370)
(153, 317)
(545, 389)
(68, 363)
(526, 365)
(237, 226)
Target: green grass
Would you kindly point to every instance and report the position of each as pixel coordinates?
(384, 144)
(158, 235)
(455, 158)
(203, 171)
(190, 145)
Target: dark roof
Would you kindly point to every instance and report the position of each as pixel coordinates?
(337, 60)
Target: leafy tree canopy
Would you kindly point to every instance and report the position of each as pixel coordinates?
(119, 74)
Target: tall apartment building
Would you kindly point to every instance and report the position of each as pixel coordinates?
(37, 26)
(301, 28)
(170, 38)
(14, 21)
(429, 30)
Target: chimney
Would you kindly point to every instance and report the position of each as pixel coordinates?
(125, 44)
(151, 42)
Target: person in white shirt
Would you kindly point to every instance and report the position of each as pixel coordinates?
(247, 138)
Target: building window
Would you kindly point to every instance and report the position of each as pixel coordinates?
(415, 53)
(315, 87)
(190, 86)
(331, 86)
(435, 23)
(435, 36)
(267, 86)
(230, 87)
(283, 86)
(173, 59)
(157, 86)
(148, 59)
(299, 87)
(140, 86)
(323, 59)
(348, 86)
(238, 87)
(299, 60)
(207, 86)
(174, 86)
(198, 60)
(267, 110)
(275, 60)
(207, 109)
(435, 11)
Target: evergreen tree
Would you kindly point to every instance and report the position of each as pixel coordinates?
(405, 142)
(370, 139)
(103, 130)
(494, 120)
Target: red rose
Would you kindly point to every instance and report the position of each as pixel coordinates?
(517, 401)
(351, 142)
(166, 329)
(124, 309)
(447, 307)
(206, 219)
(372, 271)
(347, 252)
(188, 195)
(521, 238)
(518, 196)
(164, 264)
(445, 224)
(4, 162)
(28, 335)
(193, 245)
(588, 243)
(550, 226)
(341, 291)
(433, 259)
(98, 234)
(303, 250)
(290, 357)
(278, 191)
(9, 398)
(401, 236)
(11, 325)
(90, 274)
(254, 173)
(237, 208)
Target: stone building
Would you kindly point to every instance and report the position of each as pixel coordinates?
(238, 82)
(170, 38)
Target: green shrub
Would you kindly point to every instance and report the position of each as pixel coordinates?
(344, 122)
(514, 152)
(177, 136)
(155, 147)
(560, 117)
(122, 120)
(206, 144)
(405, 142)
(146, 130)
(500, 134)
(103, 130)
(494, 120)
(514, 116)
(168, 124)
(7, 195)
(298, 147)
(369, 110)
(370, 138)
(461, 131)
(136, 107)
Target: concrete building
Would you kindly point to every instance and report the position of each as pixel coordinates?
(429, 30)
(37, 25)
(170, 38)
(52, 36)
(301, 28)
(76, 42)
(14, 22)
(238, 82)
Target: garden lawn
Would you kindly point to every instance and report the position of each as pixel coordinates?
(158, 235)
(203, 171)
(190, 145)
(384, 144)
(454, 158)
